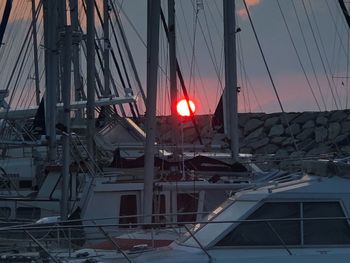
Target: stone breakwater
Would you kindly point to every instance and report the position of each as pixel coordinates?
(288, 135)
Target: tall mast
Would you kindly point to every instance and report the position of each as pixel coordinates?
(153, 16)
(66, 91)
(51, 65)
(172, 68)
(106, 47)
(230, 105)
(172, 58)
(74, 9)
(35, 49)
(90, 107)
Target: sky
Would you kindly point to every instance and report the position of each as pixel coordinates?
(199, 34)
(287, 73)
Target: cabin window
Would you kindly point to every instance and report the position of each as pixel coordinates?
(265, 232)
(305, 227)
(325, 231)
(5, 212)
(5, 184)
(128, 210)
(159, 209)
(25, 184)
(31, 213)
(187, 205)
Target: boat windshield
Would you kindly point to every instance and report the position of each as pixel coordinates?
(207, 219)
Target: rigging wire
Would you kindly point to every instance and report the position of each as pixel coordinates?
(347, 18)
(162, 98)
(195, 23)
(263, 57)
(20, 74)
(214, 60)
(211, 55)
(26, 39)
(11, 37)
(116, 64)
(184, 17)
(180, 34)
(219, 68)
(181, 79)
(24, 101)
(324, 52)
(269, 73)
(121, 10)
(297, 54)
(246, 102)
(5, 19)
(248, 83)
(131, 24)
(336, 31)
(319, 53)
(9, 29)
(133, 105)
(309, 56)
(131, 60)
(244, 80)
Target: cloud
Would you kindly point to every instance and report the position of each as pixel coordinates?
(253, 2)
(242, 12)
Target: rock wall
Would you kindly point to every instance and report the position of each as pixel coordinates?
(295, 134)
(283, 135)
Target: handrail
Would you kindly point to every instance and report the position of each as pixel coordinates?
(115, 244)
(50, 226)
(199, 244)
(52, 240)
(42, 247)
(279, 237)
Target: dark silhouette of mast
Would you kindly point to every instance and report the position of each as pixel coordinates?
(5, 19)
(345, 11)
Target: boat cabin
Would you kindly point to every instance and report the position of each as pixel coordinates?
(305, 220)
(117, 203)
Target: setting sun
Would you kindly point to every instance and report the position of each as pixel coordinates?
(182, 108)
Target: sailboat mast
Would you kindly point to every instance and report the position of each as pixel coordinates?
(153, 16)
(172, 70)
(66, 93)
(51, 65)
(230, 107)
(74, 9)
(106, 47)
(172, 59)
(35, 49)
(90, 107)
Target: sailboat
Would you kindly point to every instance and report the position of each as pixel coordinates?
(121, 190)
(112, 192)
(304, 219)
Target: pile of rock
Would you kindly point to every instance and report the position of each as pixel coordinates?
(295, 134)
(281, 134)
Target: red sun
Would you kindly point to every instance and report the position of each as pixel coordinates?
(182, 107)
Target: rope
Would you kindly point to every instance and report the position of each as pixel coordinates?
(297, 54)
(248, 84)
(309, 55)
(324, 52)
(320, 56)
(269, 74)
